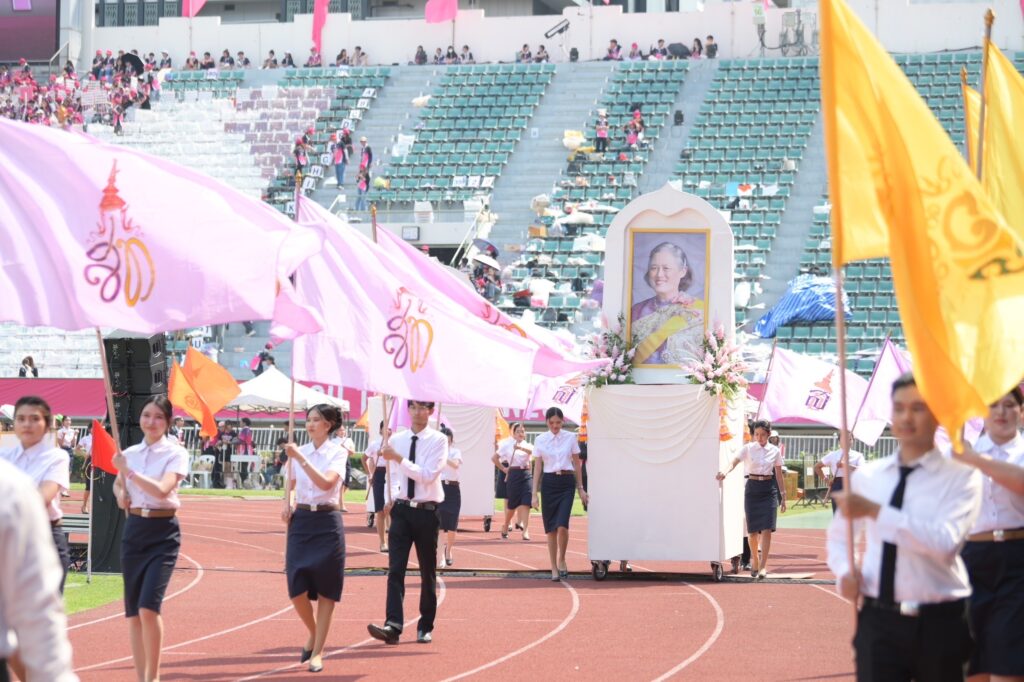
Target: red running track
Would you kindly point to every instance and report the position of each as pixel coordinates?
(227, 615)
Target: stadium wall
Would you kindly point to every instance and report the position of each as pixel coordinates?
(901, 26)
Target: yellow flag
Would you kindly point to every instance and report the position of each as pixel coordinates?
(901, 189)
(1002, 168)
(972, 113)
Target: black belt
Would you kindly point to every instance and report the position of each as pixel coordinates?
(55, 524)
(913, 609)
(426, 506)
(3, 670)
(519, 468)
(454, 483)
(318, 507)
(561, 472)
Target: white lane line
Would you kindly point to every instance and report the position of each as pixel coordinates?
(719, 626)
(832, 593)
(195, 581)
(561, 626)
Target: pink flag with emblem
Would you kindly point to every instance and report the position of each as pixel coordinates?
(386, 329)
(97, 235)
(437, 11)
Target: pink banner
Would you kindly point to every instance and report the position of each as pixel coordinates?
(319, 20)
(437, 11)
(190, 8)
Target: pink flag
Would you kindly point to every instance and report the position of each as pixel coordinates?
(566, 393)
(807, 388)
(553, 359)
(101, 235)
(437, 11)
(190, 8)
(388, 330)
(319, 20)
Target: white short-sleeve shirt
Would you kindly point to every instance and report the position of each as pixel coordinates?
(556, 450)
(452, 473)
(514, 456)
(1001, 508)
(43, 462)
(834, 461)
(760, 461)
(328, 457)
(166, 456)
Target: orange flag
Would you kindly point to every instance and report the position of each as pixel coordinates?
(103, 448)
(364, 421)
(201, 388)
(501, 429)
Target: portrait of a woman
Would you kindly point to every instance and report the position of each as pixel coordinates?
(670, 324)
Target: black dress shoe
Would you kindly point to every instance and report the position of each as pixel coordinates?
(386, 634)
(306, 654)
(424, 637)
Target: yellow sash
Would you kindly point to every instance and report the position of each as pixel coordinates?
(652, 343)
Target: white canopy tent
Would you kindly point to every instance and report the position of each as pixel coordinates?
(272, 390)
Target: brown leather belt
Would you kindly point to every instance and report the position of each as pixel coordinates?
(758, 477)
(561, 472)
(318, 507)
(454, 483)
(519, 468)
(153, 513)
(997, 535)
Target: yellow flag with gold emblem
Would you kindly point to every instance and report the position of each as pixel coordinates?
(972, 114)
(901, 189)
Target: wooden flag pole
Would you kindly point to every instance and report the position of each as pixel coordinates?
(291, 439)
(990, 18)
(767, 378)
(844, 439)
(384, 443)
(115, 432)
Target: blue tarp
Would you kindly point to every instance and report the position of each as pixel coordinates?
(810, 298)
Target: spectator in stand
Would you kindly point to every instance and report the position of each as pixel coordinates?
(341, 156)
(362, 187)
(466, 57)
(601, 135)
(97, 64)
(274, 469)
(524, 56)
(307, 137)
(438, 57)
(69, 70)
(710, 47)
(28, 368)
(271, 61)
(421, 56)
(342, 58)
(165, 60)
(365, 157)
(256, 364)
(299, 152)
(346, 139)
(314, 58)
(177, 431)
(697, 49)
(192, 63)
(287, 62)
(241, 61)
(360, 58)
(451, 56)
(660, 51)
(542, 55)
(635, 55)
(614, 52)
(207, 63)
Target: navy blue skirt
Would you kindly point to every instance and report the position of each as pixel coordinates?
(996, 606)
(60, 540)
(520, 488)
(556, 497)
(378, 489)
(149, 551)
(315, 556)
(449, 509)
(760, 502)
(500, 488)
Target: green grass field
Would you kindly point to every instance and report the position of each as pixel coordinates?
(80, 595)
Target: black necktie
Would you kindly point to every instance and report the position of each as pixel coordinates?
(887, 581)
(412, 458)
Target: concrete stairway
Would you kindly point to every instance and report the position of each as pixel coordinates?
(540, 159)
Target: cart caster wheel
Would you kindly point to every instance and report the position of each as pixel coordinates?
(716, 572)
(599, 569)
(735, 565)
(487, 524)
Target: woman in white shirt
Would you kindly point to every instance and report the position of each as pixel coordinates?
(46, 465)
(449, 509)
(147, 488)
(516, 454)
(500, 459)
(994, 552)
(375, 468)
(315, 557)
(762, 463)
(557, 457)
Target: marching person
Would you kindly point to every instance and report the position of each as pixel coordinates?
(516, 453)
(915, 508)
(994, 552)
(417, 457)
(376, 468)
(84, 448)
(349, 446)
(33, 627)
(452, 503)
(45, 464)
(834, 461)
(147, 487)
(500, 459)
(762, 464)
(556, 470)
(315, 558)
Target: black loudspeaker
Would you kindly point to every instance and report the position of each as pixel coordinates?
(137, 366)
(130, 433)
(128, 407)
(107, 525)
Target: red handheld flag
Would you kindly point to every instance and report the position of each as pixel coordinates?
(103, 448)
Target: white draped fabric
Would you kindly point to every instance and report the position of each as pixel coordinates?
(474, 436)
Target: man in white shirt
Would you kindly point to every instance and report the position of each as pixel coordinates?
(416, 458)
(834, 461)
(915, 508)
(32, 621)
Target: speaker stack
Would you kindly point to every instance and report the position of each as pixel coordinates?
(138, 371)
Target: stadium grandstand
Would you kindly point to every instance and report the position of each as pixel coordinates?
(522, 160)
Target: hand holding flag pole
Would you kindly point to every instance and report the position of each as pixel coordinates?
(113, 416)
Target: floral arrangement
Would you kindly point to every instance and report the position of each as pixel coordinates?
(719, 368)
(612, 344)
